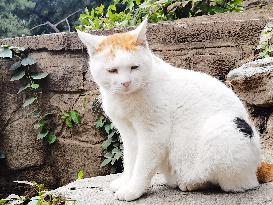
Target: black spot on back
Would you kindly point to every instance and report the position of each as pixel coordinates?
(243, 127)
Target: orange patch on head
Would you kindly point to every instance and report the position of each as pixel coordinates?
(124, 41)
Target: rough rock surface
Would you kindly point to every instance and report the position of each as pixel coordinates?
(253, 82)
(95, 191)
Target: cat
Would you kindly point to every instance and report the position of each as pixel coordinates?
(185, 124)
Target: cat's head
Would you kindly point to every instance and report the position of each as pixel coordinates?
(120, 63)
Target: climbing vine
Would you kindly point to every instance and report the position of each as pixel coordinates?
(23, 70)
(112, 145)
(71, 118)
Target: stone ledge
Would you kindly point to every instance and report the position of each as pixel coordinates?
(242, 28)
(95, 191)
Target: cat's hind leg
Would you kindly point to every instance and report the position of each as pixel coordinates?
(237, 183)
(230, 152)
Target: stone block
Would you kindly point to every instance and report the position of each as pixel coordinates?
(20, 143)
(9, 100)
(253, 82)
(66, 70)
(70, 156)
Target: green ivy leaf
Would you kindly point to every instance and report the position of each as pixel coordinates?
(111, 135)
(18, 75)
(68, 123)
(29, 101)
(80, 174)
(42, 124)
(108, 155)
(65, 115)
(112, 7)
(38, 76)
(5, 52)
(35, 86)
(99, 9)
(3, 202)
(107, 128)
(27, 61)
(118, 155)
(42, 135)
(75, 117)
(106, 144)
(115, 150)
(51, 138)
(21, 89)
(100, 122)
(113, 161)
(15, 65)
(105, 162)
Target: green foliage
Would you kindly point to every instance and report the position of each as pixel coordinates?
(265, 46)
(43, 196)
(124, 13)
(112, 145)
(71, 118)
(23, 71)
(19, 16)
(43, 126)
(14, 15)
(80, 174)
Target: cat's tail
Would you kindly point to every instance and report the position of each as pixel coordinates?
(265, 172)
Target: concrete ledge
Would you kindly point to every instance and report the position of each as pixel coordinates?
(95, 191)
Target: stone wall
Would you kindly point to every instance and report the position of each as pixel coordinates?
(212, 44)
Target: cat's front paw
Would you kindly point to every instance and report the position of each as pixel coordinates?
(117, 183)
(129, 193)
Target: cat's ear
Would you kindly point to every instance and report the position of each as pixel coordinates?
(90, 41)
(140, 32)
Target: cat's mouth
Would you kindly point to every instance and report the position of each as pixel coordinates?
(127, 91)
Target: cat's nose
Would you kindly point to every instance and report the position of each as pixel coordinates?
(126, 84)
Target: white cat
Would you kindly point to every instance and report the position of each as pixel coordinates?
(185, 124)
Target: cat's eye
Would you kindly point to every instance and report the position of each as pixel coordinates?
(113, 70)
(135, 67)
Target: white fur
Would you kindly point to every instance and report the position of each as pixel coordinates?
(175, 121)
